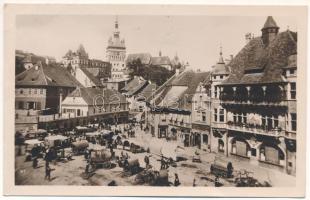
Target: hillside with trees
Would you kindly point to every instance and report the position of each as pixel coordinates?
(155, 74)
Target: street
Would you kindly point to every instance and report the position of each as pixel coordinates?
(72, 172)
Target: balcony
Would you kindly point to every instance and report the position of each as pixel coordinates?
(256, 129)
(180, 124)
(272, 95)
(263, 103)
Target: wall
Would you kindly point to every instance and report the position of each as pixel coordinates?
(30, 95)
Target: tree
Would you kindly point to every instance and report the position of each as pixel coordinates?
(153, 73)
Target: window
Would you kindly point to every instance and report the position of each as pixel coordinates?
(293, 121)
(21, 91)
(264, 120)
(215, 114)
(293, 90)
(29, 90)
(41, 91)
(204, 118)
(235, 117)
(215, 92)
(221, 77)
(244, 118)
(292, 71)
(35, 91)
(221, 115)
(239, 118)
(20, 105)
(276, 121)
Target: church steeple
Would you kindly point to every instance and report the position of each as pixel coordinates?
(116, 31)
(221, 59)
(269, 31)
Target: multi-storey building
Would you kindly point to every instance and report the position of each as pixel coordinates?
(93, 101)
(219, 73)
(116, 55)
(42, 87)
(201, 114)
(89, 72)
(259, 101)
(170, 112)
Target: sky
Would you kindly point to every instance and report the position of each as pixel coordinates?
(195, 39)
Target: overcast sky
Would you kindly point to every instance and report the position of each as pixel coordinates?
(195, 39)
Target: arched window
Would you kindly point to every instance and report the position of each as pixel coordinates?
(256, 94)
(241, 94)
(273, 93)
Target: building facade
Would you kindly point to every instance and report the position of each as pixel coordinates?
(86, 70)
(93, 101)
(259, 99)
(42, 87)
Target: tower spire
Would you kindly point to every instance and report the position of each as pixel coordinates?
(221, 60)
(116, 22)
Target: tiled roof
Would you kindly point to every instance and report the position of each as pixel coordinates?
(220, 68)
(31, 58)
(46, 75)
(270, 23)
(292, 62)
(148, 90)
(191, 80)
(145, 58)
(91, 95)
(134, 86)
(269, 60)
(162, 60)
(94, 79)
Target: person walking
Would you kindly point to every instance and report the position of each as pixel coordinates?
(47, 171)
(217, 181)
(194, 183)
(147, 161)
(176, 180)
(35, 162)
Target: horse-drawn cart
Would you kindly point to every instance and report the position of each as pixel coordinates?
(152, 177)
(101, 158)
(222, 168)
(79, 147)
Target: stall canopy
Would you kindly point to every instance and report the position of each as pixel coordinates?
(81, 128)
(56, 137)
(93, 134)
(33, 142)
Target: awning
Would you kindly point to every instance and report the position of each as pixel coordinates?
(33, 142)
(93, 134)
(56, 137)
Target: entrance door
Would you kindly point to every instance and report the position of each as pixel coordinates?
(186, 140)
(272, 155)
(241, 148)
(197, 140)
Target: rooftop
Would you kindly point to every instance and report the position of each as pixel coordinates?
(90, 95)
(46, 75)
(256, 63)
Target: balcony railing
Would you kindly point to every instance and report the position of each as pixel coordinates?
(257, 129)
(263, 103)
(180, 124)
